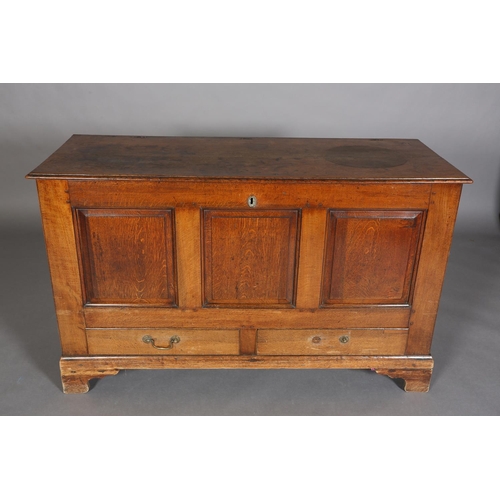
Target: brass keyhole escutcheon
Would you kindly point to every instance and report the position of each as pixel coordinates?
(344, 339)
(252, 201)
(316, 340)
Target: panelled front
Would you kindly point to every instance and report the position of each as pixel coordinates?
(370, 256)
(249, 257)
(250, 263)
(127, 256)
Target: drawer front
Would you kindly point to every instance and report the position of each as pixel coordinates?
(313, 342)
(170, 342)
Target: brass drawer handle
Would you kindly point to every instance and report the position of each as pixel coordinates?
(147, 339)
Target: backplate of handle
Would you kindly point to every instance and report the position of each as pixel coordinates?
(174, 339)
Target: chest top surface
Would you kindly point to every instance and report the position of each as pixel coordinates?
(132, 157)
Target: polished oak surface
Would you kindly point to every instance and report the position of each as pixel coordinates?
(370, 256)
(246, 253)
(250, 257)
(89, 156)
(127, 256)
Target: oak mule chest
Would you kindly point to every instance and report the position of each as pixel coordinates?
(178, 252)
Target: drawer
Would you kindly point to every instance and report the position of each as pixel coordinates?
(315, 342)
(143, 341)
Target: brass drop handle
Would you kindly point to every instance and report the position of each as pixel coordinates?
(147, 339)
(344, 339)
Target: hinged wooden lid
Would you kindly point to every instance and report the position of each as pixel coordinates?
(122, 157)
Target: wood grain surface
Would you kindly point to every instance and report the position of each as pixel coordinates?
(250, 257)
(159, 317)
(332, 342)
(436, 246)
(188, 246)
(76, 372)
(370, 256)
(233, 194)
(191, 341)
(127, 256)
(60, 242)
(312, 246)
(337, 262)
(257, 157)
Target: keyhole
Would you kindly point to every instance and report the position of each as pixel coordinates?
(252, 201)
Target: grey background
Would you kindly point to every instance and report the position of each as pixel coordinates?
(460, 122)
